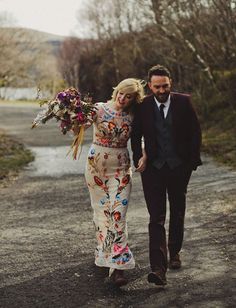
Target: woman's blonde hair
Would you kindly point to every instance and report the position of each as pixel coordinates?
(130, 86)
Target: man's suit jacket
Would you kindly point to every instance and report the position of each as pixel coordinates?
(186, 130)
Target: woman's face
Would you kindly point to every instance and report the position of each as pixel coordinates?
(123, 100)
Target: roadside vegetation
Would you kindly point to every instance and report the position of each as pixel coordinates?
(124, 39)
(13, 157)
(219, 120)
(131, 36)
(220, 141)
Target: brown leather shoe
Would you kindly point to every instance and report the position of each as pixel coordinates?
(118, 278)
(175, 262)
(158, 277)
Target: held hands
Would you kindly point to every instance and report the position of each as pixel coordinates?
(142, 163)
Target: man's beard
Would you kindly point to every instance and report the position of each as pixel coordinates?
(162, 98)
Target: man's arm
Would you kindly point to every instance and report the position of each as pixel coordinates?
(196, 140)
(142, 163)
(136, 136)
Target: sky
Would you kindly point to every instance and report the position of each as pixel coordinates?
(52, 16)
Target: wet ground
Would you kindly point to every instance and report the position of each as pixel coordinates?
(47, 237)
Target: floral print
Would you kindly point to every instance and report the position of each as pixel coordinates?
(108, 176)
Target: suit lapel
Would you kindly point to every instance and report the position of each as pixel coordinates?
(172, 109)
(149, 114)
(174, 114)
(152, 110)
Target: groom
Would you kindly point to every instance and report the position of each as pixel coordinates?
(172, 137)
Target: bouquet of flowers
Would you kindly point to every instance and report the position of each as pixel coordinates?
(73, 113)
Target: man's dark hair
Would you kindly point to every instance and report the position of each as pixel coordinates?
(158, 70)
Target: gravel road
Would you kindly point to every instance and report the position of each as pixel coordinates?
(47, 236)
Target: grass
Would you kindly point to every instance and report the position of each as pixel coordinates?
(220, 144)
(13, 156)
(19, 101)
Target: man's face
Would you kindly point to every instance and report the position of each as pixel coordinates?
(160, 87)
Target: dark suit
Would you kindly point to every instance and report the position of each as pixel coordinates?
(172, 180)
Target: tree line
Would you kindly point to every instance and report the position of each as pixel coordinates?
(195, 39)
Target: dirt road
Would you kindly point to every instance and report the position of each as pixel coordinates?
(47, 237)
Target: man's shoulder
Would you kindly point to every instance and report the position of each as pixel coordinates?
(146, 101)
(144, 106)
(147, 98)
(180, 96)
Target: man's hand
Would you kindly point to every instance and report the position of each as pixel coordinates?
(141, 164)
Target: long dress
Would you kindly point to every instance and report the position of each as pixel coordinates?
(108, 176)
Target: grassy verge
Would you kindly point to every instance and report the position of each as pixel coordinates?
(220, 142)
(13, 157)
(17, 101)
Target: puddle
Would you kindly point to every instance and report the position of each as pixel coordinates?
(52, 161)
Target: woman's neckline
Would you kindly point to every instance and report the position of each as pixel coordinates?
(108, 106)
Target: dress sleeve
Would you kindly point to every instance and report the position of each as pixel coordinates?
(93, 115)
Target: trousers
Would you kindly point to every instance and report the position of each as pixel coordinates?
(158, 184)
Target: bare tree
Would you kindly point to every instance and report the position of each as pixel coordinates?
(26, 59)
(195, 39)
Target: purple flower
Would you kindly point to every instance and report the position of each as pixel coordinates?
(61, 95)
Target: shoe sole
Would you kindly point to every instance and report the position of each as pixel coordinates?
(152, 278)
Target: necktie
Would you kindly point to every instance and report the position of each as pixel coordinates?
(162, 106)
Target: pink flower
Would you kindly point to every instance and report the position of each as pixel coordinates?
(117, 248)
(80, 117)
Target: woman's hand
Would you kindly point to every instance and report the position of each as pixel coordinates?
(87, 124)
(76, 127)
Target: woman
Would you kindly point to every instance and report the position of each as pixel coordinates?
(108, 176)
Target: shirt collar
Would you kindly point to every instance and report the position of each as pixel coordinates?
(167, 103)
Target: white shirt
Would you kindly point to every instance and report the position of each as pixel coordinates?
(167, 105)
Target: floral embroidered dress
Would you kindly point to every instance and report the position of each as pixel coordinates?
(108, 176)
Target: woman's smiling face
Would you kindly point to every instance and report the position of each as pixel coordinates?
(123, 100)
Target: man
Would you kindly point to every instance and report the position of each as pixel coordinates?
(172, 138)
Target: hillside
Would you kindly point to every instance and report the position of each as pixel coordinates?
(37, 53)
(38, 35)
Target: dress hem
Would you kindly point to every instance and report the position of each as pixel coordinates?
(127, 266)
